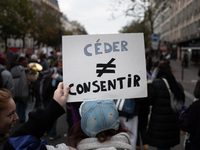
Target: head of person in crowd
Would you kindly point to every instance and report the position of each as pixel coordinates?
(13, 60)
(22, 61)
(43, 57)
(58, 64)
(165, 65)
(156, 64)
(98, 119)
(34, 58)
(197, 90)
(58, 55)
(164, 69)
(8, 114)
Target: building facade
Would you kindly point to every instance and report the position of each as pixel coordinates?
(179, 28)
(185, 27)
(66, 24)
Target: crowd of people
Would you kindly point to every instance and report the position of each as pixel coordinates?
(92, 124)
(22, 75)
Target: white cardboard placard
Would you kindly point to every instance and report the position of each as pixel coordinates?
(99, 67)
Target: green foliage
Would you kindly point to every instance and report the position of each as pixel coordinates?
(67, 33)
(19, 18)
(143, 9)
(138, 27)
(47, 28)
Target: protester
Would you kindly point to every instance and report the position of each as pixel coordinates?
(73, 115)
(57, 77)
(20, 85)
(96, 130)
(6, 77)
(143, 113)
(163, 131)
(52, 57)
(72, 108)
(149, 63)
(8, 115)
(32, 74)
(44, 62)
(190, 121)
(129, 120)
(185, 60)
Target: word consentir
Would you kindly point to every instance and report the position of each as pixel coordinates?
(103, 86)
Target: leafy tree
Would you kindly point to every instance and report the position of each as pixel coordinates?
(143, 9)
(47, 28)
(15, 16)
(24, 19)
(138, 26)
(8, 19)
(20, 18)
(67, 32)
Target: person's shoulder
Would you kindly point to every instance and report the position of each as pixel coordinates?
(197, 102)
(6, 73)
(195, 106)
(122, 134)
(157, 82)
(61, 146)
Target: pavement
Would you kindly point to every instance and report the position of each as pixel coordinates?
(187, 77)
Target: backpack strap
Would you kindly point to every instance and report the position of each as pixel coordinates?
(166, 83)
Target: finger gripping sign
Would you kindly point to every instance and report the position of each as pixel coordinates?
(100, 67)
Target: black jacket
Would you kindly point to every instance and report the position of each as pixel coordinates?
(39, 121)
(190, 122)
(163, 131)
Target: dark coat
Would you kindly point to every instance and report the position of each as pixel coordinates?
(190, 122)
(163, 131)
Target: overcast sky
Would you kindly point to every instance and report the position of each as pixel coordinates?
(94, 15)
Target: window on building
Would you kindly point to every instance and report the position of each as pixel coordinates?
(180, 16)
(193, 28)
(175, 19)
(182, 33)
(198, 24)
(185, 13)
(197, 5)
(193, 7)
(196, 27)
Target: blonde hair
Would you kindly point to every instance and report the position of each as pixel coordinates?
(5, 94)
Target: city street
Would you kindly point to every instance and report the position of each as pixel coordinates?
(187, 79)
(100, 49)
